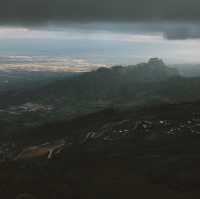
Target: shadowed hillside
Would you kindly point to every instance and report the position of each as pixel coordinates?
(149, 152)
(122, 87)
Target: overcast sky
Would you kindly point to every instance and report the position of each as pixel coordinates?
(35, 11)
(83, 46)
(92, 33)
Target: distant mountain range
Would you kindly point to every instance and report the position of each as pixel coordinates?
(102, 84)
(145, 83)
(122, 87)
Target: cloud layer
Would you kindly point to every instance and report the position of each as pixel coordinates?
(76, 10)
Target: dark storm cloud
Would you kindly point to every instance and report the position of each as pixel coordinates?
(169, 30)
(182, 34)
(50, 10)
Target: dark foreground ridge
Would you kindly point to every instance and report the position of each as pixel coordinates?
(152, 152)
